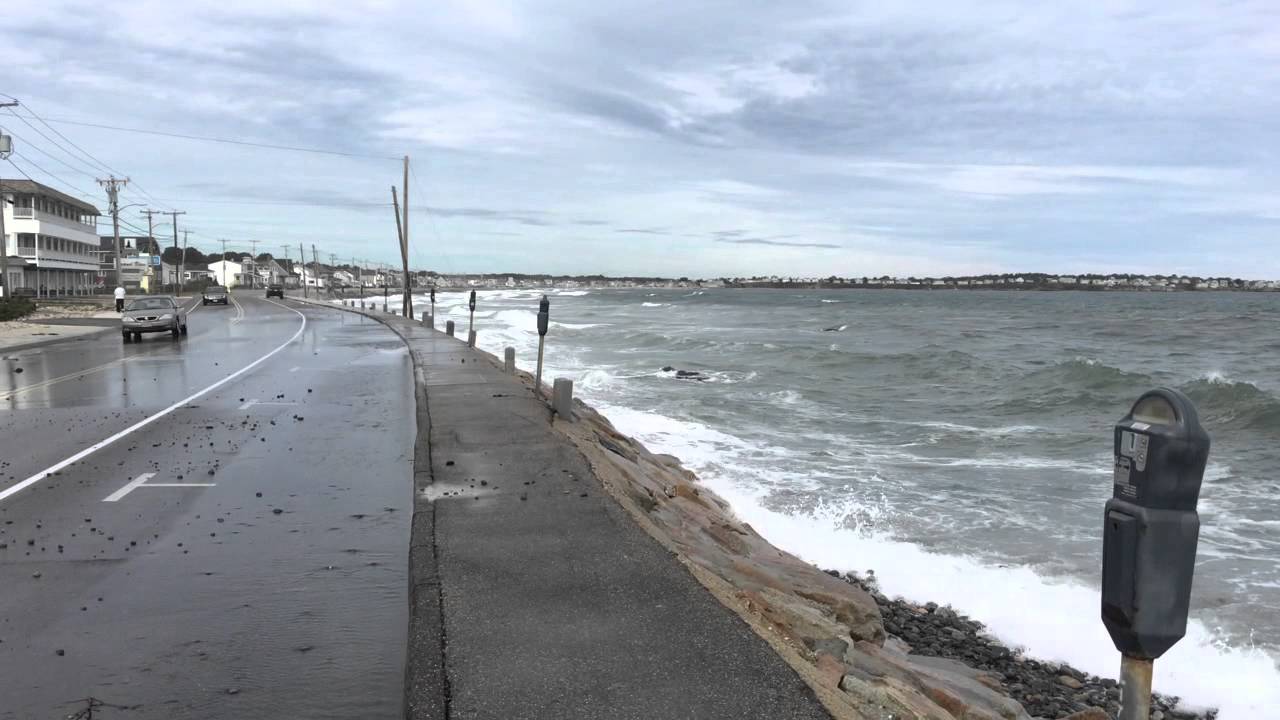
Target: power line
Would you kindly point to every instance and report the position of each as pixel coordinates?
(228, 141)
(92, 171)
(305, 203)
(80, 191)
(70, 142)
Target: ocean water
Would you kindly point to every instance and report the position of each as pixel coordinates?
(956, 443)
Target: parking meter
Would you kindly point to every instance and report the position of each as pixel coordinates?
(1151, 525)
(473, 301)
(544, 315)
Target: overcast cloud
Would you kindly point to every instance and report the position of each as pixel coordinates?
(701, 139)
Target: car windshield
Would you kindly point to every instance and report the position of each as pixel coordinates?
(151, 304)
(216, 289)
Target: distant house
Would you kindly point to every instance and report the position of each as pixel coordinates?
(227, 273)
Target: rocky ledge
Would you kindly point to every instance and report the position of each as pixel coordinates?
(1044, 689)
(866, 656)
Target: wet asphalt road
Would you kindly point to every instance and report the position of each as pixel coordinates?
(241, 557)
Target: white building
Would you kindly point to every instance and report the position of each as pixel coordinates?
(51, 239)
(227, 274)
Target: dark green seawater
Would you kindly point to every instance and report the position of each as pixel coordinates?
(958, 443)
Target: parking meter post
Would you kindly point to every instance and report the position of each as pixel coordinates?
(1149, 536)
(471, 338)
(433, 306)
(544, 317)
(1135, 688)
(472, 322)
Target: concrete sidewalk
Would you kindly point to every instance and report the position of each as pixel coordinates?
(534, 595)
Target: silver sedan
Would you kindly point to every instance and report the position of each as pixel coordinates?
(153, 313)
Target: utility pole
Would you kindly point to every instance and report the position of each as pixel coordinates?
(315, 261)
(253, 262)
(182, 263)
(113, 185)
(174, 214)
(6, 149)
(151, 238)
(404, 245)
(395, 207)
(302, 258)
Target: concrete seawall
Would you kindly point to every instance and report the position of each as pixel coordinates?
(536, 594)
(533, 593)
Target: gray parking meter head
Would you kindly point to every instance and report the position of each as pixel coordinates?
(473, 300)
(544, 315)
(1151, 527)
(433, 293)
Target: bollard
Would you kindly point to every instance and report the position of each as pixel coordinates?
(430, 320)
(384, 307)
(562, 398)
(509, 360)
(448, 328)
(471, 338)
(1149, 536)
(544, 315)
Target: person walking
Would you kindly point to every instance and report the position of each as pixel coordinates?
(119, 298)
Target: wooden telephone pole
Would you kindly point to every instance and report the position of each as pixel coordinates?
(407, 306)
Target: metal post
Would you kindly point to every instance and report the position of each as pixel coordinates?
(537, 378)
(544, 321)
(1135, 688)
(384, 295)
(509, 360)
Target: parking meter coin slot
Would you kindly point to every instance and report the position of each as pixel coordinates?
(1119, 568)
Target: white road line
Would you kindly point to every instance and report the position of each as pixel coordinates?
(249, 404)
(9, 394)
(240, 310)
(295, 368)
(7, 492)
(128, 488)
(151, 485)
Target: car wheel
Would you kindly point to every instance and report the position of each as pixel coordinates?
(184, 328)
(137, 337)
(175, 332)
(127, 337)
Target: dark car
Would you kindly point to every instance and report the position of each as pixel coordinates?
(150, 314)
(24, 292)
(214, 294)
(275, 289)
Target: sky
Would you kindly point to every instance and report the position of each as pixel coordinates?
(704, 139)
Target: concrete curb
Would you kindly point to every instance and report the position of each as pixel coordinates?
(54, 341)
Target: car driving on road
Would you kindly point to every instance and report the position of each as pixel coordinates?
(275, 289)
(214, 294)
(150, 314)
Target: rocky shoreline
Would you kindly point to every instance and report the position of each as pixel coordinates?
(867, 657)
(1044, 689)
